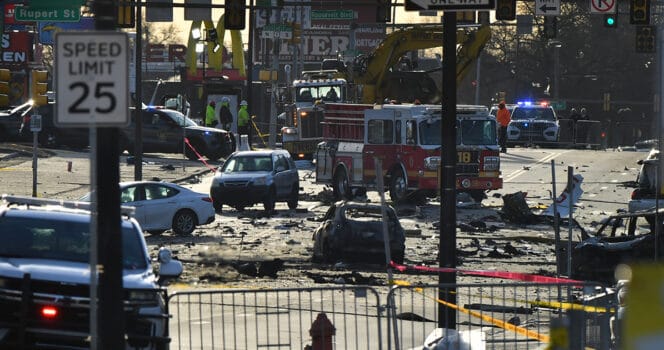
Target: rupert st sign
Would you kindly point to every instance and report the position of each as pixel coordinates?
(91, 79)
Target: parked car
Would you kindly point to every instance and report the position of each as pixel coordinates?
(250, 177)
(161, 206)
(52, 136)
(644, 195)
(165, 131)
(11, 121)
(532, 123)
(622, 238)
(45, 249)
(354, 231)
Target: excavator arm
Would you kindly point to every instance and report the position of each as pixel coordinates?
(370, 71)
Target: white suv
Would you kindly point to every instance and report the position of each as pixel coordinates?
(45, 278)
(643, 197)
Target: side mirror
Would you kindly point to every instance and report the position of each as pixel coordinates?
(280, 168)
(168, 267)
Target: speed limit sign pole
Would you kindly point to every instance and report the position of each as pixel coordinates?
(91, 80)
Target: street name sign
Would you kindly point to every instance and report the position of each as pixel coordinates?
(56, 14)
(603, 6)
(92, 79)
(547, 7)
(277, 31)
(450, 5)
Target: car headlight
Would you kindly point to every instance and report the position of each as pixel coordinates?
(288, 130)
(261, 181)
(432, 163)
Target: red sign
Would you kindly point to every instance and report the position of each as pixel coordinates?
(16, 48)
(9, 13)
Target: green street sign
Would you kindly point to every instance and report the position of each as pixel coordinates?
(558, 105)
(332, 14)
(31, 14)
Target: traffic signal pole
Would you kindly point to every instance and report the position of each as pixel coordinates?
(110, 317)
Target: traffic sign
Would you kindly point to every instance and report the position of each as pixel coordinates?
(91, 79)
(449, 5)
(603, 6)
(277, 31)
(31, 14)
(547, 7)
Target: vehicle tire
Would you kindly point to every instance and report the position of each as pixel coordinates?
(398, 257)
(48, 138)
(217, 206)
(294, 198)
(197, 145)
(156, 232)
(214, 156)
(184, 222)
(270, 201)
(398, 188)
(477, 195)
(329, 255)
(340, 186)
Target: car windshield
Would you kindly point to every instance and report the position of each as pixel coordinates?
(179, 118)
(248, 163)
(324, 92)
(476, 132)
(430, 132)
(40, 238)
(533, 113)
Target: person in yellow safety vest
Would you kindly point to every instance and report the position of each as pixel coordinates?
(243, 119)
(211, 115)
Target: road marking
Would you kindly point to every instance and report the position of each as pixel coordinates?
(546, 158)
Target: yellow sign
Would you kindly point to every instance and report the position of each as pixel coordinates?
(644, 311)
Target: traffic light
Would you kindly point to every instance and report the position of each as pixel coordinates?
(383, 11)
(506, 10)
(550, 27)
(646, 39)
(38, 87)
(5, 77)
(235, 15)
(126, 12)
(610, 20)
(296, 37)
(639, 12)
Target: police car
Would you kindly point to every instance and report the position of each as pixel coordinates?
(45, 278)
(533, 123)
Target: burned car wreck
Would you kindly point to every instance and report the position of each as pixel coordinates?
(353, 231)
(623, 238)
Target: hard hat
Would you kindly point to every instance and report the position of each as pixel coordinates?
(225, 100)
(243, 103)
(583, 110)
(573, 110)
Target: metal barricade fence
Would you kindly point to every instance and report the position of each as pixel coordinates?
(488, 316)
(501, 316)
(275, 319)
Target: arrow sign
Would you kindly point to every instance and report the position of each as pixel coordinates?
(547, 7)
(450, 5)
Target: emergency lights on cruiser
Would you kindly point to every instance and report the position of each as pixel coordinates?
(527, 103)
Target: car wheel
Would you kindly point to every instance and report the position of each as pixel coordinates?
(398, 189)
(197, 145)
(294, 197)
(329, 254)
(217, 206)
(156, 232)
(340, 186)
(270, 201)
(214, 156)
(398, 257)
(184, 222)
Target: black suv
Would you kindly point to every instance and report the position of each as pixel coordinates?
(11, 121)
(52, 136)
(169, 131)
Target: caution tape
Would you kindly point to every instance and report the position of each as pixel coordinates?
(500, 323)
(199, 156)
(517, 276)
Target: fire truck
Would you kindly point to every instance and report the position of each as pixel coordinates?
(407, 140)
(303, 130)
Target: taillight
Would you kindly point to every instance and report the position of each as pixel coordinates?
(206, 199)
(26, 119)
(49, 312)
(635, 194)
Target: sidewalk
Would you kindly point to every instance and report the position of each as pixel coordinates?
(66, 174)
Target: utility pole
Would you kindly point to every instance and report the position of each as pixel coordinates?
(272, 139)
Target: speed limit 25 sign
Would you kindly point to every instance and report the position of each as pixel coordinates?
(91, 79)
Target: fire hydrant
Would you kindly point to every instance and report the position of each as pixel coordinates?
(321, 332)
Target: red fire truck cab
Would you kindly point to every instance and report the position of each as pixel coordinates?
(407, 140)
